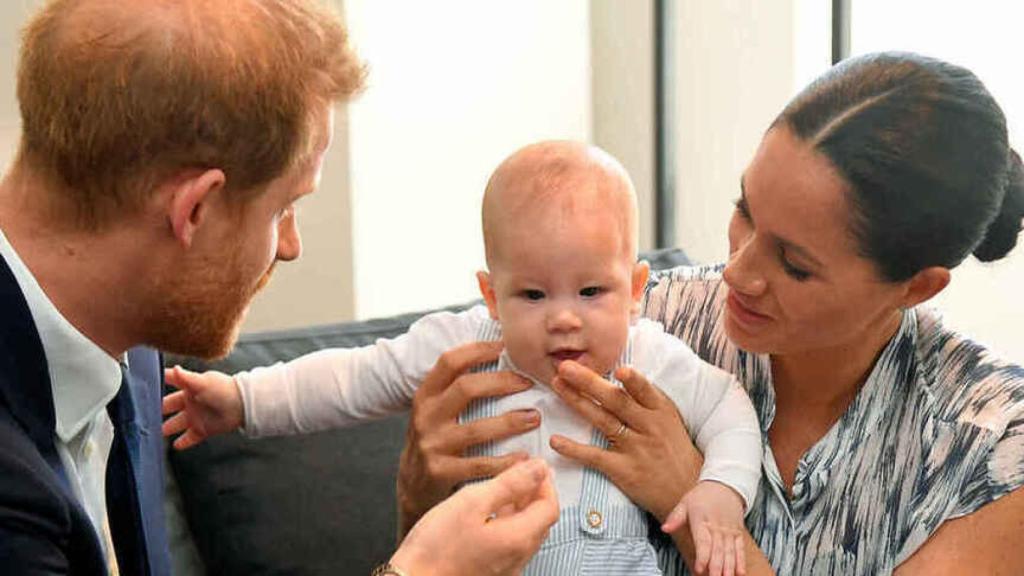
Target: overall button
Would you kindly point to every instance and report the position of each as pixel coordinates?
(592, 522)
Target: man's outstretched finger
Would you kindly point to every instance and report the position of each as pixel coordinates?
(539, 510)
(513, 485)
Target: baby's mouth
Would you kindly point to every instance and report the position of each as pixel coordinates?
(566, 354)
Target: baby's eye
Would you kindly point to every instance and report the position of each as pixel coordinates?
(533, 295)
(591, 291)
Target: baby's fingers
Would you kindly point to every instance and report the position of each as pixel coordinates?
(741, 555)
(676, 518)
(175, 424)
(174, 402)
(702, 541)
(729, 559)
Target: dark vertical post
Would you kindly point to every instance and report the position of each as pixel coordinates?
(664, 126)
(840, 30)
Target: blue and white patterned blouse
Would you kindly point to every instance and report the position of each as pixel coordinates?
(936, 432)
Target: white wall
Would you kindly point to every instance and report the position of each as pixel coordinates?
(454, 87)
(737, 63)
(12, 15)
(982, 300)
(622, 58)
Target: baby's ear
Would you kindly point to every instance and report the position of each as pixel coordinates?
(641, 271)
(483, 279)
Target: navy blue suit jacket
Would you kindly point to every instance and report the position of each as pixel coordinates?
(43, 528)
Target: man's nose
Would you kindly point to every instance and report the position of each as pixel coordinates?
(289, 242)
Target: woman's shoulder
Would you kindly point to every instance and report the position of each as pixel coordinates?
(675, 290)
(969, 383)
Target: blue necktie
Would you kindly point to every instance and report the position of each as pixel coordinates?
(123, 511)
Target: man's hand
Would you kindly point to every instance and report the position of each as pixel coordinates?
(205, 405)
(432, 463)
(494, 527)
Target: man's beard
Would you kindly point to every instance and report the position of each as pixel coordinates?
(202, 315)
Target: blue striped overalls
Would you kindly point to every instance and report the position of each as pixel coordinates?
(595, 535)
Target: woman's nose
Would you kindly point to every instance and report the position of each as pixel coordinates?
(742, 272)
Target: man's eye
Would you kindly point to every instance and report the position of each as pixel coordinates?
(591, 291)
(533, 295)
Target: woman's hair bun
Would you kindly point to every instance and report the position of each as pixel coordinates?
(1001, 235)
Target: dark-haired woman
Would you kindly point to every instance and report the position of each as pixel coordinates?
(892, 443)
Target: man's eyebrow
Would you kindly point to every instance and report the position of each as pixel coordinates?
(786, 245)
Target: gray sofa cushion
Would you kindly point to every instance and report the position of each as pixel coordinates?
(317, 504)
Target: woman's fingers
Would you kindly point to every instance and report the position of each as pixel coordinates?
(590, 456)
(640, 390)
(608, 424)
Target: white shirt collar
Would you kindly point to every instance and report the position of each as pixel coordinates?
(83, 377)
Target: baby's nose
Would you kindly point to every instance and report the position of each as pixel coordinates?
(564, 320)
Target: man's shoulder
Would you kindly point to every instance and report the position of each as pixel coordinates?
(30, 491)
(41, 529)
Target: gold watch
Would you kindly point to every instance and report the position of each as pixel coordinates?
(387, 569)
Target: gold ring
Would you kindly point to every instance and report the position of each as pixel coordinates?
(618, 434)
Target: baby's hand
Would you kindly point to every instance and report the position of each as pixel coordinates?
(205, 405)
(715, 515)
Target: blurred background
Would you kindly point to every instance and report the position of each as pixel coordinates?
(679, 90)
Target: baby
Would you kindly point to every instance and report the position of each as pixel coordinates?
(563, 283)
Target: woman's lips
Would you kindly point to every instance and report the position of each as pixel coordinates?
(743, 314)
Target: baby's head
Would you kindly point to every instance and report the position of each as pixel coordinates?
(560, 235)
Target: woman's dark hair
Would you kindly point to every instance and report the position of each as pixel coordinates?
(923, 147)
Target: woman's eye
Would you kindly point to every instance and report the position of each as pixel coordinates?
(533, 295)
(591, 291)
(795, 273)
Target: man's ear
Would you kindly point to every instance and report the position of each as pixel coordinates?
(190, 201)
(924, 285)
(487, 291)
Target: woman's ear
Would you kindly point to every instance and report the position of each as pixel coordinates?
(483, 279)
(924, 285)
(190, 198)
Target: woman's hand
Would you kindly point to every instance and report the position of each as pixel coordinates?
(652, 459)
(494, 527)
(432, 462)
